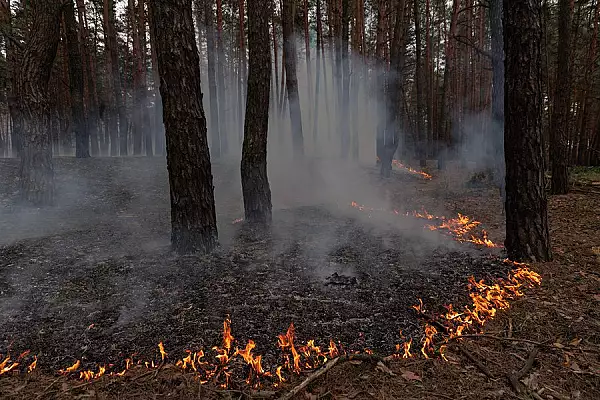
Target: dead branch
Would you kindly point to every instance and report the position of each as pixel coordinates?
(477, 363)
(311, 378)
(330, 364)
(516, 377)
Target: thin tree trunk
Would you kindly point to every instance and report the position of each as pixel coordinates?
(159, 128)
(222, 99)
(76, 84)
(318, 76)
(345, 115)
(527, 236)
(12, 60)
(497, 131)
(193, 217)
(291, 81)
(215, 131)
(562, 103)
(418, 85)
(255, 183)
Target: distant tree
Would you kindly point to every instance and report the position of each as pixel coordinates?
(559, 126)
(291, 79)
(527, 236)
(193, 217)
(394, 110)
(211, 56)
(497, 39)
(345, 99)
(255, 183)
(76, 83)
(12, 55)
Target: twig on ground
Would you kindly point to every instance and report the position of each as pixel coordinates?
(311, 378)
(47, 388)
(516, 377)
(330, 364)
(477, 363)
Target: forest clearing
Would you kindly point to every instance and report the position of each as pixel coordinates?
(299, 199)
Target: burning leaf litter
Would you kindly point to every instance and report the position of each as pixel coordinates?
(227, 359)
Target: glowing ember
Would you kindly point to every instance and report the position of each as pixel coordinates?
(161, 348)
(398, 164)
(72, 368)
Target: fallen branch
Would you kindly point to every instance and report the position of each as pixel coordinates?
(330, 364)
(516, 377)
(477, 363)
(311, 378)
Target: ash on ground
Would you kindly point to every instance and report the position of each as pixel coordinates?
(93, 278)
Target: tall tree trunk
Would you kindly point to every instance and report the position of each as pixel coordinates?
(159, 128)
(497, 131)
(33, 103)
(419, 141)
(291, 81)
(148, 133)
(255, 183)
(448, 93)
(137, 123)
(242, 81)
(193, 217)
(111, 113)
(559, 126)
(345, 115)
(12, 60)
(394, 115)
(223, 123)
(380, 80)
(82, 146)
(527, 236)
(318, 74)
(90, 92)
(215, 149)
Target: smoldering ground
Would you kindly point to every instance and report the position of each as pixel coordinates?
(93, 277)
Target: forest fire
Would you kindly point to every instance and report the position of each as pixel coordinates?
(423, 174)
(487, 299)
(457, 227)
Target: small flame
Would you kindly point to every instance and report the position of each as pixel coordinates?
(161, 348)
(72, 368)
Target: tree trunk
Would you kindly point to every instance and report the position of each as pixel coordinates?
(559, 126)
(12, 60)
(527, 236)
(193, 217)
(90, 92)
(420, 143)
(497, 129)
(291, 81)
(159, 128)
(82, 142)
(318, 75)
(111, 113)
(215, 149)
(394, 115)
(223, 123)
(345, 115)
(255, 184)
(33, 103)
(148, 133)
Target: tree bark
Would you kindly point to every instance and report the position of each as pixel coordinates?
(291, 80)
(419, 142)
(345, 115)
(394, 114)
(82, 142)
(111, 113)
(193, 217)
(215, 149)
(223, 123)
(148, 132)
(497, 129)
(255, 183)
(12, 60)
(33, 103)
(559, 126)
(159, 128)
(527, 236)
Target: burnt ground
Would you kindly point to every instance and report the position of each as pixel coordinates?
(101, 257)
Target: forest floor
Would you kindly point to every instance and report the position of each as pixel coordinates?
(92, 279)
